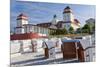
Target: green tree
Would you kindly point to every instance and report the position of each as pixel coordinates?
(86, 29)
(91, 24)
(78, 30)
(64, 31)
(93, 29)
(59, 32)
(71, 30)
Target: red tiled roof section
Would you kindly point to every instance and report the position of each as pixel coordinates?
(76, 21)
(25, 36)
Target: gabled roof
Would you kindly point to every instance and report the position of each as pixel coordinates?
(53, 26)
(76, 21)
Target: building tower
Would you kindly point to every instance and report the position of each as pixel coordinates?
(54, 21)
(68, 15)
(21, 20)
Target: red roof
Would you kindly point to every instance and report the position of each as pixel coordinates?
(25, 36)
(76, 21)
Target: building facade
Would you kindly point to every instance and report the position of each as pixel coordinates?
(25, 33)
(67, 22)
(23, 26)
(43, 29)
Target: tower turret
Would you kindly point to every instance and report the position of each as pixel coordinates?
(68, 15)
(21, 20)
(54, 20)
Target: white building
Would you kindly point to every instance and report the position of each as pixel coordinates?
(23, 26)
(68, 17)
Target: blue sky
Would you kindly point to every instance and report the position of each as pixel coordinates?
(39, 12)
